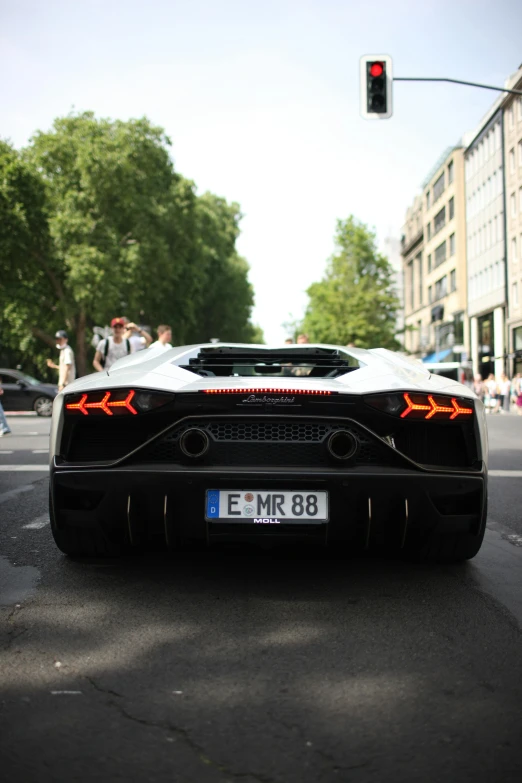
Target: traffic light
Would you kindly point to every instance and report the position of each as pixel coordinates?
(376, 86)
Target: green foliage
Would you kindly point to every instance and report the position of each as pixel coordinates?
(97, 223)
(355, 302)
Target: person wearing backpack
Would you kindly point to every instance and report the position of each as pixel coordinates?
(112, 348)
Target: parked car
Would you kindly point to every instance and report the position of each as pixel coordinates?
(221, 443)
(24, 393)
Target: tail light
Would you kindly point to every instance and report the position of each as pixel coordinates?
(429, 407)
(114, 402)
(258, 390)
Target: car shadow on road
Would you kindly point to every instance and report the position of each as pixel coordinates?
(331, 663)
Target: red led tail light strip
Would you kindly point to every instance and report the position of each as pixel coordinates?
(460, 411)
(412, 406)
(268, 391)
(437, 408)
(105, 405)
(434, 408)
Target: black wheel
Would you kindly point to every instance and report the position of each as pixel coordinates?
(43, 406)
(439, 547)
(83, 541)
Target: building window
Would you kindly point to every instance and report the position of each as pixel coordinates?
(512, 160)
(520, 153)
(519, 104)
(441, 288)
(450, 172)
(438, 188)
(458, 328)
(429, 230)
(511, 114)
(430, 294)
(452, 245)
(439, 220)
(419, 262)
(429, 263)
(451, 207)
(440, 253)
(453, 280)
(513, 205)
(428, 199)
(412, 285)
(515, 294)
(514, 250)
(520, 199)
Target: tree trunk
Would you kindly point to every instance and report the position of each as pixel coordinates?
(81, 348)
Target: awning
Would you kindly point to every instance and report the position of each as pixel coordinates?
(437, 357)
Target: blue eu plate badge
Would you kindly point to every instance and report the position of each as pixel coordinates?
(212, 504)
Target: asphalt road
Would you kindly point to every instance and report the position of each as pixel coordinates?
(257, 667)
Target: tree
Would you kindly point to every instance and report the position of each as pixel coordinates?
(109, 191)
(97, 223)
(27, 276)
(355, 302)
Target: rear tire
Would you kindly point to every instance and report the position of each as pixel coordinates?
(439, 547)
(82, 541)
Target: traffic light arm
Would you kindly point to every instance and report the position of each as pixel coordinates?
(454, 81)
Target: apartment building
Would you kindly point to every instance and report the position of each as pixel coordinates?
(392, 250)
(485, 199)
(435, 279)
(412, 247)
(513, 180)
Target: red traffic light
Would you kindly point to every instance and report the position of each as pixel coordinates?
(376, 69)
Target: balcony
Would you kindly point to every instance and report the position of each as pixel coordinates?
(407, 245)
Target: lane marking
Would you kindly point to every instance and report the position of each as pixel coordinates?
(12, 493)
(505, 473)
(40, 451)
(4, 451)
(38, 523)
(23, 468)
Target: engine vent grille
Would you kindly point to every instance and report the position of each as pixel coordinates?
(266, 442)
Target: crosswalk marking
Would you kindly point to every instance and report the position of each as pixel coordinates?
(40, 451)
(505, 473)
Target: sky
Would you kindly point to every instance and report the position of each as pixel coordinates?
(261, 102)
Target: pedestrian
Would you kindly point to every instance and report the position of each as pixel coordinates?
(289, 341)
(112, 348)
(517, 392)
(491, 401)
(302, 339)
(479, 386)
(66, 365)
(139, 338)
(5, 429)
(504, 393)
(164, 337)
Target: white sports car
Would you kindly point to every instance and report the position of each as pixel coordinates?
(227, 443)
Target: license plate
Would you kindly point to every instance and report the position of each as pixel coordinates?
(264, 507)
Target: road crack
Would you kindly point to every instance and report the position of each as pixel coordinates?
(182, 734)
(335, 766)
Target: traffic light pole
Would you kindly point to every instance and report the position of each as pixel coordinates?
(454, 81)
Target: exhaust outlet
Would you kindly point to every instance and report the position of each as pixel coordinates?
(194, 443)
(341, 445)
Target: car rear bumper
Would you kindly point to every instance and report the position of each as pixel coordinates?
(380, 505)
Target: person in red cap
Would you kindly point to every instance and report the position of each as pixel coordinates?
(112, 348)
